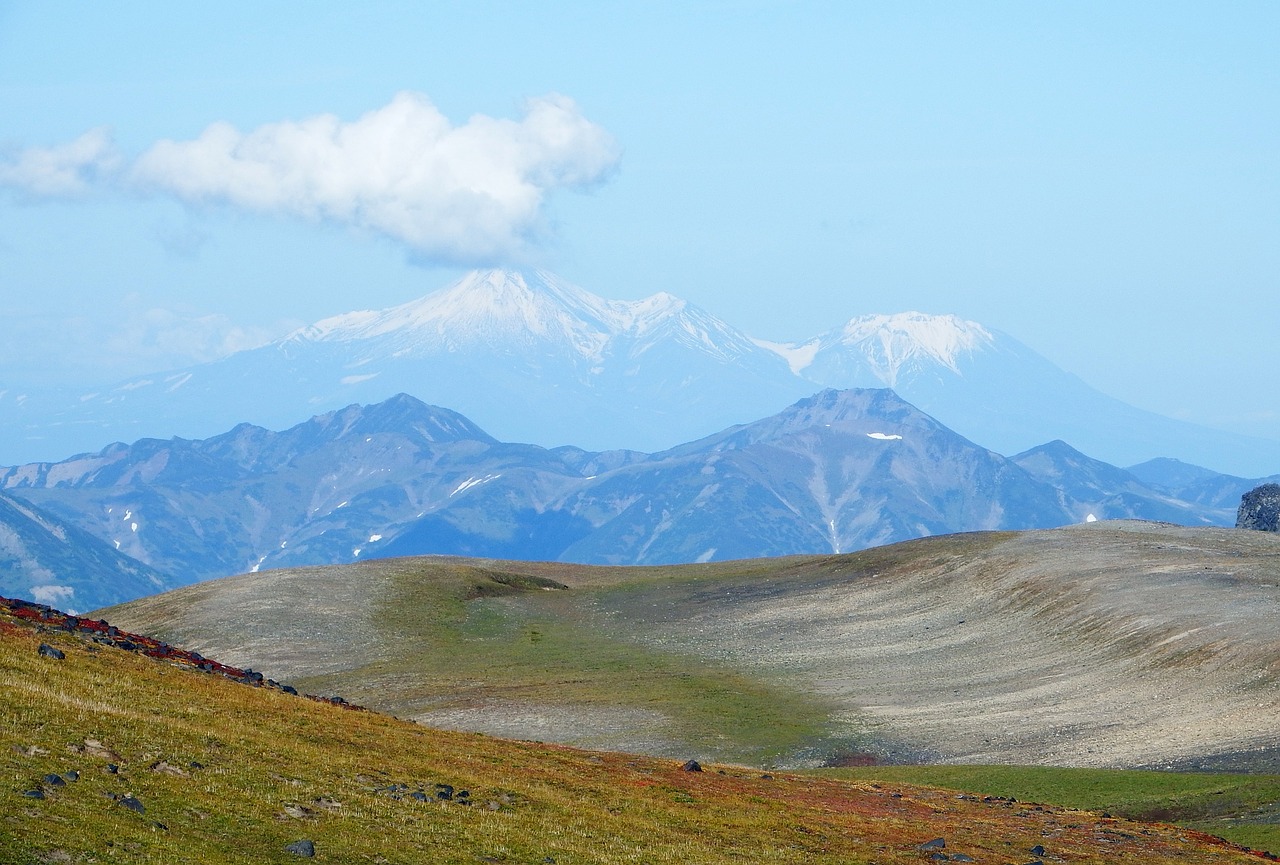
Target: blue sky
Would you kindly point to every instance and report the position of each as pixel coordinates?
(1099, 180)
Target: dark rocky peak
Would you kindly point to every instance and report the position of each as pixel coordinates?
(1260, 509)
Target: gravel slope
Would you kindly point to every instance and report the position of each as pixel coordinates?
(1105, 644)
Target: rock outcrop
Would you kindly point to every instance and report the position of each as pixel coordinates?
(1260, 509)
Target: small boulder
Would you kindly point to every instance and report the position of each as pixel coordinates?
(935, 844)
(131, 803)
(692, 766)
(304, 848)
(50, 652)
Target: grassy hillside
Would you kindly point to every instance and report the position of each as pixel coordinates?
(159, 764)
(1241, 807)
(1107, 645)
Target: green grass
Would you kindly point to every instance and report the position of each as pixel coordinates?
(1242, 808)
(468, 632)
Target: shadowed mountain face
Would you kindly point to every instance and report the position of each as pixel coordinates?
(50, 561)
(839, 471)
(533, 358)
(1108, 644)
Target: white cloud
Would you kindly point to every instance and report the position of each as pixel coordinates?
(67, 169)
(464, 193)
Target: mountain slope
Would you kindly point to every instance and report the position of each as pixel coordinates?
(52, 561)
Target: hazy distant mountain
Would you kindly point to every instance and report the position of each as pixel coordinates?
(44, 559)
(527, 355)
(533, 358)
(991, 388)
(834, 472)
(1104, 492)
(1198, 485)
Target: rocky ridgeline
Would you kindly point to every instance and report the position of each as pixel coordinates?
(1260, 509)
(44, 618)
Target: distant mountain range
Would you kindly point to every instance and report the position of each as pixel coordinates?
(50, 561)
(532, 358)
(834, 472)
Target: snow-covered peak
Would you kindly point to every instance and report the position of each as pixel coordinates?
(502, 309)
(892, 343)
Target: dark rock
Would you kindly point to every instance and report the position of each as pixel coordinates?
(1260, 509)
(289, 689)
(34, 794)
(73, 775)
(1036, 850)
(444, 792)
(131, 803)
(54, 780)
(960, 857)
(305, 849)
(692, 766)
(419, 795)
(50, 652)
(935, 844)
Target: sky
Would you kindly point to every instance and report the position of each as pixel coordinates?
(1099, 180)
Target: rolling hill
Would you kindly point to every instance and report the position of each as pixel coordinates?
(1116, 644)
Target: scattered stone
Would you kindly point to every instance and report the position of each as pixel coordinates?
(297, 812)
(33, 794)
(113, 768)
(419, 795)
(305, 849)
(131, 803)
(50, 652)
(166, 768)
(1260, 509)
(54, 780)
(935, 844)
(692, 766)
(494, 806)
(94, 748)
(444, 792)
(327, 803)
(30, 751)
(73, 775)
(1036, 850)
(960, 857)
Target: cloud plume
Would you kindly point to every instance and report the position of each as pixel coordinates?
(465, 193)
(65, 170)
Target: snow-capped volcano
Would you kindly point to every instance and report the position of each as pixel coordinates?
(887, 349)
(534, 358)
(502, 310)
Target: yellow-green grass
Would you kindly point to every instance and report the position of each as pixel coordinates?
(229, 773)
(457, 633)
(1242, 808)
